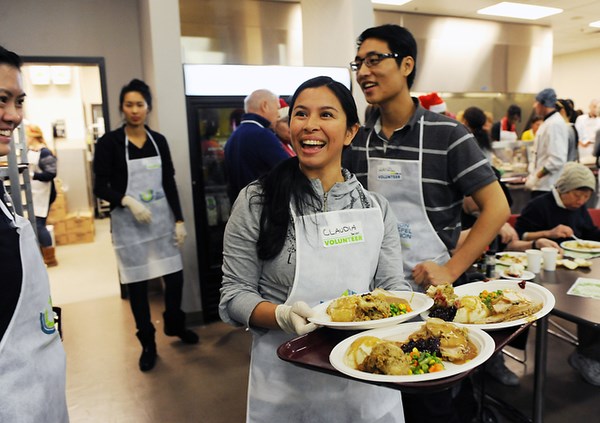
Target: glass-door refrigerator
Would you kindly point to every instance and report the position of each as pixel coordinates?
(211, 120)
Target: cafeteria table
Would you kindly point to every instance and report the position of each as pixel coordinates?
(580, 310)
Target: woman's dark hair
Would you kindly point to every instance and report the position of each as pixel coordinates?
(139, 86)
(398, 39)
(475, 118)
(10, 58)
(286, 184)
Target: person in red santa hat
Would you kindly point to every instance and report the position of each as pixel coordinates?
(435, 103)
(282, 128)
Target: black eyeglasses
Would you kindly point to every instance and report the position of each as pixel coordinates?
(372, 59)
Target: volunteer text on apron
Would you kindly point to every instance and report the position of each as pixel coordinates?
(335, 251)
(401, 182)
(32, 358)
(145, 251)
(40, 190)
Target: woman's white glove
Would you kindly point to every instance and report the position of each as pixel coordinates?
(292, 319)
(139, 211)
(180, 234)
(531, 182)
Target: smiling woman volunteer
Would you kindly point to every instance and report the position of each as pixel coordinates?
(32, 358)
(134, 172)
(277, 262)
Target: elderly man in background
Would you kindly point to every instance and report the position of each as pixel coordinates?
(550, 146)
(253, 149)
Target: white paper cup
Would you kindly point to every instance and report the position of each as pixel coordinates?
(534, 260)
(549, 254)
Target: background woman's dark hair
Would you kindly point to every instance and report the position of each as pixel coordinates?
(287, 184)
(475, 118)
(398, 39)
(10, 58)
(138, 86)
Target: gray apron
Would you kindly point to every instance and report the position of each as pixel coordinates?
(145, 251)
(401, 182)
(32, 358)
(325, 267)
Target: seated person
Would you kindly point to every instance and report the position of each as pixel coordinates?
(560, 215)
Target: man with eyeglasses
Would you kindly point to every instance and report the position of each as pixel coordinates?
(424, 163)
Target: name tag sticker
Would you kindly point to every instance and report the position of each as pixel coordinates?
(389, 173)
(152, 163)
(342, 234)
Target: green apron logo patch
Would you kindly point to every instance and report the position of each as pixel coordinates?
(342, 234)
(47, 319)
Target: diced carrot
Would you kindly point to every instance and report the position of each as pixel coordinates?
(436, 367)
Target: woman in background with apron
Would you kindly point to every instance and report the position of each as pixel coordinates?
(42, 166)
(134, 172)
(32, 358)
(280, 258)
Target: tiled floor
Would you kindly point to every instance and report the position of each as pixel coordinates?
(207, 382)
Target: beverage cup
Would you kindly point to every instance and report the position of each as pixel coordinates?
(534, 260)
(549, 255)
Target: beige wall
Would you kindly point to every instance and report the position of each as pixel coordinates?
(107, 28)
(575, 76)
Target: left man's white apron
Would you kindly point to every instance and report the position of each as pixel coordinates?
(32, 358)
(145, 251)
(40, 190)
(279, 391)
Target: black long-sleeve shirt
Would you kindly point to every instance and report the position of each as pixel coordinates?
(11, 273)
(110, 167)
(542, 213)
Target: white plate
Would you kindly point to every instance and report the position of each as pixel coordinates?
(532, 290)
(572, 245)
(507, 258)
(484, 343)
(525, 276)
(418, 302)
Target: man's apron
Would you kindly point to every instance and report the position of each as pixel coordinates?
(280, 391)
(145, 251)
(32, 358)
(40, 190)
(400, 181)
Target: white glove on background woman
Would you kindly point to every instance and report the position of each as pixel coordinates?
(292, 319)
(139, 211)
(180, 234)
(531, 181)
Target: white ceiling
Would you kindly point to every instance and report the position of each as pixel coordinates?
(570, 28)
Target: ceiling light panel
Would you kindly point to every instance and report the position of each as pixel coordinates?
(519, 11)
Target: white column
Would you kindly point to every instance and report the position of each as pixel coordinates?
(329, 31)
(163, 71)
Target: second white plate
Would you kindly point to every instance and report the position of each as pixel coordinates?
(534, 291)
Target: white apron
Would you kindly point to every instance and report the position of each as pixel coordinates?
(282, 392)
(40, 190)
(400, 181)
(32, 358)
(145, 251)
